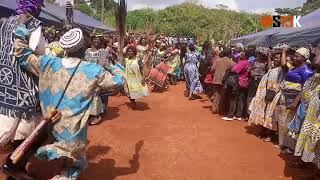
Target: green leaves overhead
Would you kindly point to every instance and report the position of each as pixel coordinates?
(190, 19)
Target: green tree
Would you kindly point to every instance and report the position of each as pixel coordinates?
(85, 9)
(309, 6)
(288, 11)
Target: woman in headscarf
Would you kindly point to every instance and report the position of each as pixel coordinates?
(291, 87)
(308, 141)
(237, 52)
(257, 70)
(263, 104)
(135, 83)
(159, 73)
(191, 73)
(174, 63)
(70, 133)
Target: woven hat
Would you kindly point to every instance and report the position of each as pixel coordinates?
(304, 52)
(72, 40)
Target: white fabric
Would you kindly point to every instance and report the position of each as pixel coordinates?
(70, 62)
(7, 129)
(25, 128)
(35, 38)
(16, 128)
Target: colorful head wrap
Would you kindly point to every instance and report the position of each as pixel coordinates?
(239, 45)
(28, 6)
(263, 50)
(304, 52)
(72, 40)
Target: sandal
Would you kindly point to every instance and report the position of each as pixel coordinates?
(95, 121)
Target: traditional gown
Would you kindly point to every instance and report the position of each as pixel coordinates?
(134, 87)
(290, 88)
(191, 73)
(158, 75)
(262, 111)
(174, 63)
(19, 103)
(70, 133)
(97, 106)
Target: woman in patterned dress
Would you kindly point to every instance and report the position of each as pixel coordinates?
(262, 110)
(174, 63)
(96, 55)
(142, 49)
(158, 75)
(191, 73)
(135, 82)
(291, 87)
(304, 126)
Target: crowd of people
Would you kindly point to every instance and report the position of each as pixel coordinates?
(276, 89)
(67, 77)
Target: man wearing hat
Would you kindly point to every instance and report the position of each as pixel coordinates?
(19, 103)
(70, 133)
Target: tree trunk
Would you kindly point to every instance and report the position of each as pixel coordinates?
(102, 11)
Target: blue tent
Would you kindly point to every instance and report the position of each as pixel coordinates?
(259, 38)
(55, 15)
(307, 34)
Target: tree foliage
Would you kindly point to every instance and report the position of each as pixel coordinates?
(288, 11)
(308, 7)
(190, 19)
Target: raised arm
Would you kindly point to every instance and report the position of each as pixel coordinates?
(23, 54)
(284, 60)
(107, 81)
(270, 66)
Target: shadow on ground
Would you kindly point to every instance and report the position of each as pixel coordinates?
(141, 106)
(306, 173)
(106, 169)
(112, 113)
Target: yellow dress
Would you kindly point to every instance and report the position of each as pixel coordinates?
(134, 87)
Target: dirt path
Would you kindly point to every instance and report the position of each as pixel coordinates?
(182, 140)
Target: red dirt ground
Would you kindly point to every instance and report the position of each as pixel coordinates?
(180, 140)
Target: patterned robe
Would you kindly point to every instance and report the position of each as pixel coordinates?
(70, 133)
(191, 73)
(262, 111)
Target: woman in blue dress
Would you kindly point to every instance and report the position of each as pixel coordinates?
(191, 73)
(295, 78)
